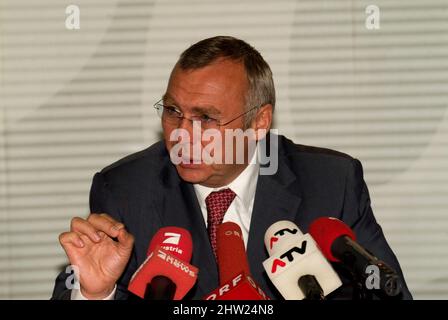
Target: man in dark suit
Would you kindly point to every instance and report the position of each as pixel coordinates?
(220, 83)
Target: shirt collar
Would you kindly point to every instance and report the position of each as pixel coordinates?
(244, 185)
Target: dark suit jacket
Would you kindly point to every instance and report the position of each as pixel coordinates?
(145, 192)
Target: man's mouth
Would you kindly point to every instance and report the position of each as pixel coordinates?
(190, 161)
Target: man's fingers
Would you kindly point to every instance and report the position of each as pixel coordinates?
(105, 216)
(71, 238)
(81, 226)
(106, 224)
(125, 239)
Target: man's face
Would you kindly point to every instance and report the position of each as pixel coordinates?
(217, 90)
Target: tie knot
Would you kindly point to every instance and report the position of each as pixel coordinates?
(217, 204)
(222, 198)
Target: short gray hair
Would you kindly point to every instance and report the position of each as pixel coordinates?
(259, 75)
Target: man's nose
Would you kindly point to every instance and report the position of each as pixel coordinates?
(192, 127)
(186, 124)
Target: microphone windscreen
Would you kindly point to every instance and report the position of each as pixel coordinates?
(169, 254)
(281, 235)
(177, 241)
(326, 230)
(230, 251)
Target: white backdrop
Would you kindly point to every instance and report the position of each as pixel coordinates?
(73, 101)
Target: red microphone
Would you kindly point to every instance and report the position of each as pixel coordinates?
(166, 273)
(338, 243)
(326, 230)
(234, 276)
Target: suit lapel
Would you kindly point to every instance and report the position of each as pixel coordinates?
(278, 197)
(203, 256)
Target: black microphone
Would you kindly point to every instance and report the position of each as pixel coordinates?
(337, 242)
(311, 287)
(160, 288)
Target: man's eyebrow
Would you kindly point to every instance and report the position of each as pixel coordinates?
(206, 110)
(201, 110)
(166, 96)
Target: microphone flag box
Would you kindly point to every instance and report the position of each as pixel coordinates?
(286, 266)
(161, 263)
(240, 287)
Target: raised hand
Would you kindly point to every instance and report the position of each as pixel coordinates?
(100, 247)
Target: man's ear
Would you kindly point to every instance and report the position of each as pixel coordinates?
(263, 121)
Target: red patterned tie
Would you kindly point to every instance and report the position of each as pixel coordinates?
(217, 204)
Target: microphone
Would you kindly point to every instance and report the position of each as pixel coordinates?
(235, 280)
(338, 244)
(166, 273)
(296, 266)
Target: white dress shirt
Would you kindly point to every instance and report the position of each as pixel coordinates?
(244, 186)
(77, 295)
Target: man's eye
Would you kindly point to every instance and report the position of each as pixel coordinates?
(206, 118)
(172, 111)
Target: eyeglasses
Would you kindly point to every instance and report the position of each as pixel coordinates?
(172, 115)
